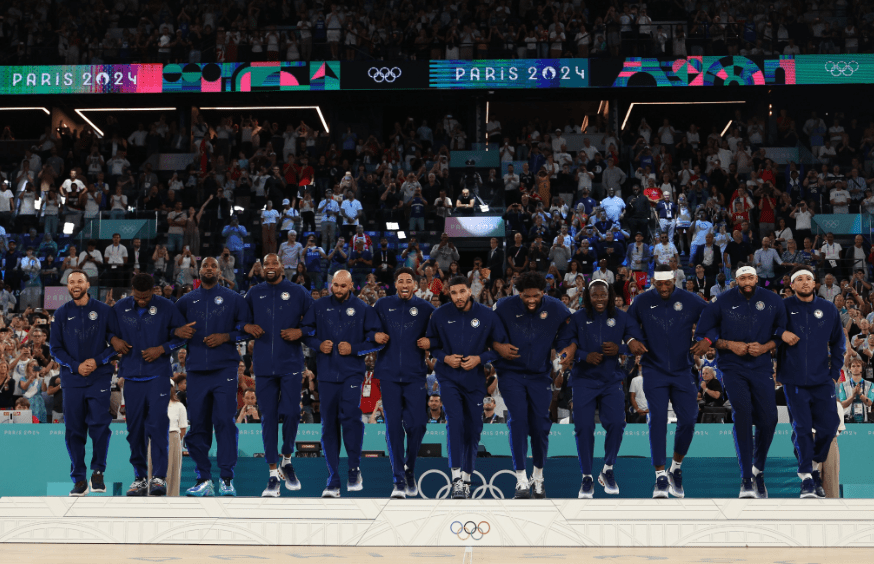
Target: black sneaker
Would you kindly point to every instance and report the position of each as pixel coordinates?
(139, 488)
(458, 489)
(80, 489)
(467, 490)
(523, 490)
(158, 487)
(817, 483)
(761, 490)
(412, 489)
(808, 490)
(97, 484)
(539, 489)
(291, 481)
(747, 490)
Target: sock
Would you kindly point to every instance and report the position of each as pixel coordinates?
(587, 475)
(805, 476)
(756, 471)
(817, 466)
(456, 473)
(286, 460)
(675, 465)
(274, 473)
(465, 477)
(660, 473)
(522, 477)
(538, 473)
(607, 467)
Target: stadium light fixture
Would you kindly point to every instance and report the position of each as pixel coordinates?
(631, 106)
(401, 235)
(727, 125)
(98, 130)
(69, 228)
(46, 110)
(484, 208)
(316, 108)
(241, 209)
(392, 225)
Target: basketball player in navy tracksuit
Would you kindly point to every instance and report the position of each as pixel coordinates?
(808, 366)
(525, 368)
(145, 325)
(745, 324)
(667, 315)
(401, 369)
(460, 335)
(342, 328)
(212, 363)
(601, 333)
(80, 332)
(277, 307)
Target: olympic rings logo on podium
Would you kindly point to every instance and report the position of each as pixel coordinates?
(470, 528)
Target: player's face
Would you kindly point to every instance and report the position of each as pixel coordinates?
(209, 271)
(804, 285)
(747, 284)
(406, 286)
(532, 298)
(77, 285)
(599, 296)
(272, 268)
(341, 286)
(460, 295)
(143, 298)
(665, 288)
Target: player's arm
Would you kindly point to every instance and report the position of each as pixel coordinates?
(242, 317)
(308, 328)
(176, 321)
(433, 336)
(837, 346)
(499, 335)
(633, 338)
(371, 327)
(57, 348)
(707, 329)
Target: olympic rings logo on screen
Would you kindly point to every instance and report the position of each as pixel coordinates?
(384, 74)
(470, 529)
(840, 68)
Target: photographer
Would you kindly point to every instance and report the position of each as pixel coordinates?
(226, 263)
(803, 217)
(249, 412)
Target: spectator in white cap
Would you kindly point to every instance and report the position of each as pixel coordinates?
(269, 217)
(290, 219)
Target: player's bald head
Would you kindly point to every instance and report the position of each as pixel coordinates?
(211, 261)
(343, 276)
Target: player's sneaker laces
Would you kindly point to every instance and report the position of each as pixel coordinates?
(157, 487)
(808, 488)
(458, 489)
(747, 491)
(523, 490)
(331, 492)
(660, 490)
(817, 483)
(539, 489)
(139, 488)
(398, 492)
(587, 490)
(97, 484)
(80, 489)
(203, 488)
(608, 480)
(467, 490)
(412, 490)
(761, 490)
(356, 482)
(272, 489)
(291, 481)
(675, 479)
(226, 488)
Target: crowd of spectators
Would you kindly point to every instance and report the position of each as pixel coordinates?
(131, 31)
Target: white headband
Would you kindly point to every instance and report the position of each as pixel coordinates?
(663, 276)
(598, 281)
(745, 270)
(799, 273)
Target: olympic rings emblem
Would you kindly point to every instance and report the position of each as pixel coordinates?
(841, 68)
(479, 493)
(384, 74)
(470, 528)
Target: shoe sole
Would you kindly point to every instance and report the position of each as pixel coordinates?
(411, 493)
(539, 496)
(268, 493)
(747, 495)
(228, 494)
(673, 490)
(331, 495)
(136, 494)
(83, 494)
(355, 487)
(760, 496)
(608, 491)
(159, 494)
(398, 496)
(809, 496)
(660, 495)
(98, 491)
(522, 495)
(293, 487)
(589, 495)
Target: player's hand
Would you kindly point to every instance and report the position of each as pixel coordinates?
(87, 367)
(740, 349)
(291, 334)
(254, 330)
(152, 354)
(424, 343)
(789, 338)
(216, 339)
(120, 345)
(326, 347)
(344, 348)
(698, 349)
(452, 360)
(381, 338)
(610, 349)
(506, 350)
(470, 362)
(186, 331)
(756, 349)
(636, 347)
(566, 356)
(594, 358)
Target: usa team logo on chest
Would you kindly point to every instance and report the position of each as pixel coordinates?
(219, 300)
(760, 306)
(153, 310)
(678, 306)
(474, 322)
(414, 311)
(544, 315)
(350, 311)
(611, 322)
(818, 314)
(285, 295)
(93, 315)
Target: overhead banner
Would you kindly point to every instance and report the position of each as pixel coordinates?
(492, 74)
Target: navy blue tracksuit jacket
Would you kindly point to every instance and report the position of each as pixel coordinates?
(80, 333)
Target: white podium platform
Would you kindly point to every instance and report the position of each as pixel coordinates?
(843, 523)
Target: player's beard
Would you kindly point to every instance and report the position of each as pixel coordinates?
(209, 279)
(747, 291)
(464, 306)
(275, 275)
(804, 295)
